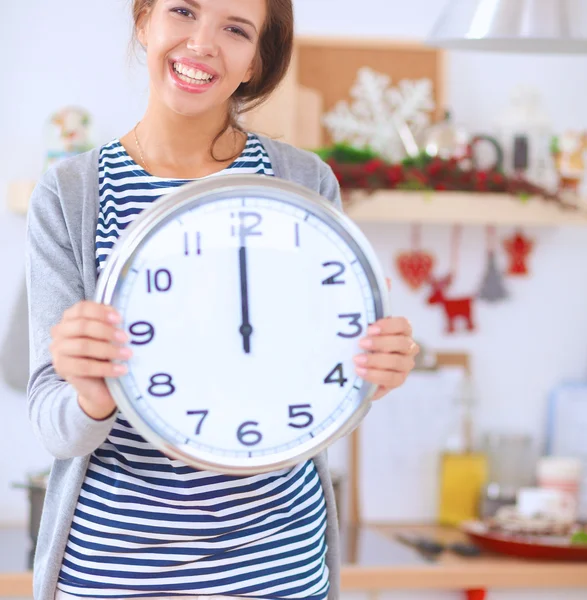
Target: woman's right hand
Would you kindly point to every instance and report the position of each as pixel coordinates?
(85, 343)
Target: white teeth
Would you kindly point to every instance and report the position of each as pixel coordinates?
(191, 75)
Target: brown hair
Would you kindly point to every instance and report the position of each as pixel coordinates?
(274, 55)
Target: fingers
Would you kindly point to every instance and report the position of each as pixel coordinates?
(390, 343)
(84, 328)
(385, 379)
(92, 311)
(82, 357)
(389, 356)
(74, 368)
(391, 326)
(87, 348)
(86, 342)
(399, 363)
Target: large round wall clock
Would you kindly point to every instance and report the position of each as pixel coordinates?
(245, 298)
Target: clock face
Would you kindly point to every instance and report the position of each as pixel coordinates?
(244, 312)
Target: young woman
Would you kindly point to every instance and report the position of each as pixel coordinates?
(121, 519)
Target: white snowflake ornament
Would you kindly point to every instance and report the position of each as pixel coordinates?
(385, 119)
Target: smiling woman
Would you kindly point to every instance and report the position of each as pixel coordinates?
(121, 518)
(237, 52)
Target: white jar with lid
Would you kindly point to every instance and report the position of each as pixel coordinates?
(561, 473)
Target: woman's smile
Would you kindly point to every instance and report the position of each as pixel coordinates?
(191, 76)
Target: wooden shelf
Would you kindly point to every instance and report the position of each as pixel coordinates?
(458, 208)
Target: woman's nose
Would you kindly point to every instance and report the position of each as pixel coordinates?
(203, 42)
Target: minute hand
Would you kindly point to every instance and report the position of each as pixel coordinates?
(246, 329)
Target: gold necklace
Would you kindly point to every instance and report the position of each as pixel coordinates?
(143, 161)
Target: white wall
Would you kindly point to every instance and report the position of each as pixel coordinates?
(69, 52)
(51, 55)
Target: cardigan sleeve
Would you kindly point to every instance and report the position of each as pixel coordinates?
(54, 283)
(329, 186)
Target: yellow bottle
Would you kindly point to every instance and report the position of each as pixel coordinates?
(462, 478)
(463, 472)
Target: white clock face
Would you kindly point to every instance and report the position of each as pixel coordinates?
(244, 316)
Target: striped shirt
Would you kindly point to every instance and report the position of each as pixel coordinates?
(147, 525)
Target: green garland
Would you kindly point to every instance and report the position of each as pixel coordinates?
(365, 169)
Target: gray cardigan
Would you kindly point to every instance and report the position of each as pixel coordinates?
(60, 271)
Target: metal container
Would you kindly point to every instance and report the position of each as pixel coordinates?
(37, 488)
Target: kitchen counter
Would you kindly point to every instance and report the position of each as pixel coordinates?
(372, 561)
(452, 572)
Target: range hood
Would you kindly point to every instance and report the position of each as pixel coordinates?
(519, 26)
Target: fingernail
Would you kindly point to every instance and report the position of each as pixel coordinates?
(121, 336)
(114, 317)
(374, 330)
(366, 343)
(361, 372)
(120, 369)
(360, 359)
(125, 353)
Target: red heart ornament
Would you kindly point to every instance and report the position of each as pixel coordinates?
(415, 267)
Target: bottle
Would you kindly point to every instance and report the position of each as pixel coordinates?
(446, 140)
(463, 472)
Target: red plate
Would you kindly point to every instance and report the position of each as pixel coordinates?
(542, 548)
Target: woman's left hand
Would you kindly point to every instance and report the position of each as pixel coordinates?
(389, 356)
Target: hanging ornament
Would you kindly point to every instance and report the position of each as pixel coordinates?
(454, 308)
(492, 288)
(518, 247)
(416, 265)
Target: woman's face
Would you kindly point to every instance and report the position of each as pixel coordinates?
(200, 51)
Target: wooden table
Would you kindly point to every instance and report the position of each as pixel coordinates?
(373, 561)
(450, 572)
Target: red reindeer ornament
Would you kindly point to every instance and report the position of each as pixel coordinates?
(454, 308)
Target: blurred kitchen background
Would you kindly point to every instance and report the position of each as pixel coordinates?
(497, 405)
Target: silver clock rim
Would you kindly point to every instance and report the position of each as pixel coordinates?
(211, 189)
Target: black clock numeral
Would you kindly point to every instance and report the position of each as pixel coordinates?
(336, 376)
(354, 322)
(160, 281)
(334, 279)
(161, 385)
(143, 331)
(249, 437)
(248, 224)
(296, 411)
(188, 249)
(200, 413)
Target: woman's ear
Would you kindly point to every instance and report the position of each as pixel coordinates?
(141, 37)
(248, 76)
(142, 28)
(251, 70)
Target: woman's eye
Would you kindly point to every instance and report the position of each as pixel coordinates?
(239, 31)
(184, 12)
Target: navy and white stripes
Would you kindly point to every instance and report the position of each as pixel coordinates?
(147, 525)
(126, 189)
